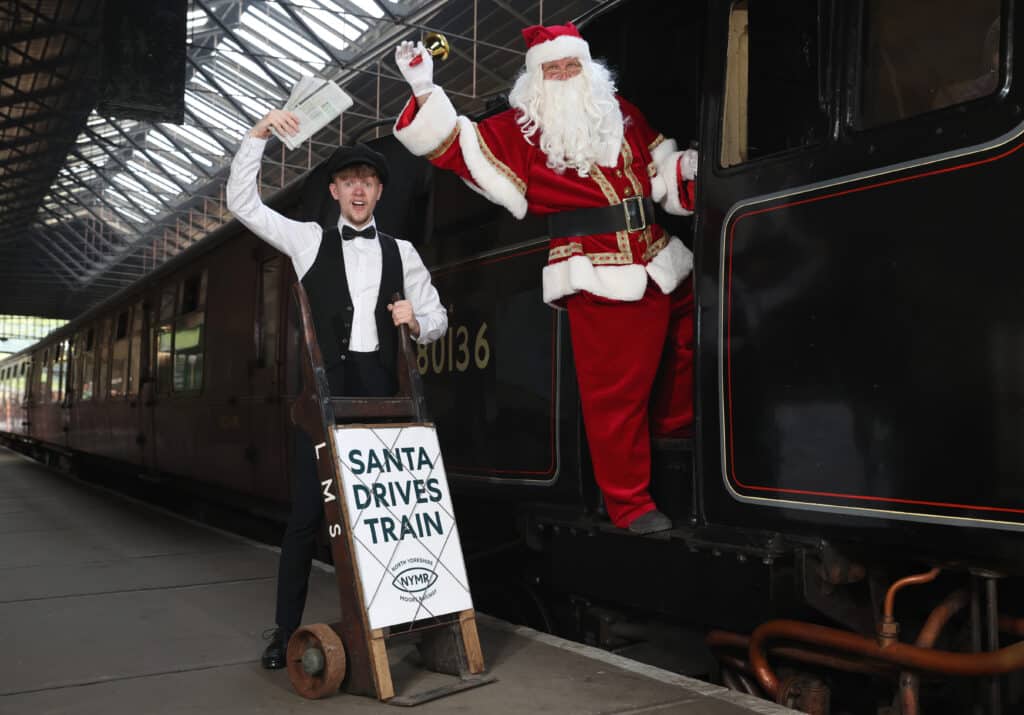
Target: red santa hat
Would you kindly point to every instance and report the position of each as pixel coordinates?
(555, 42)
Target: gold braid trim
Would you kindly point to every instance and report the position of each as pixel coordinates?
(657, 141)
(445, 145)
(625, 254)
(655, 248)
(565, 251)
(504, 170)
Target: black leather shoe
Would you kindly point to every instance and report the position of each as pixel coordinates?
(650, 523)
(274, 654)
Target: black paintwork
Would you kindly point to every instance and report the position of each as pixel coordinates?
(868, 356)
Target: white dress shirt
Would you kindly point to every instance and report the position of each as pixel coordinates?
(300, 241)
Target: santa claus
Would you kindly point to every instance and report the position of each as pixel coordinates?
(572, 149)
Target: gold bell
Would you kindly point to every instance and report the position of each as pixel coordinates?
(437, 45)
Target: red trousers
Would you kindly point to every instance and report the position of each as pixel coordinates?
(634, 364)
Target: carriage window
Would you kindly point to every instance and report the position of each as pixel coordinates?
(86, 376)
(267, 322)
(119, 357)
(60, 361)
(164, 337)
(775, 89)
(907, 71)
(103, 352)
(44, 377)
(135, 359)
(189, 340)
(167, 299)
(193, 294)
(20, 385)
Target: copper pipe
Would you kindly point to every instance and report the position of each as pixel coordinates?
(910, 694)
(1011, 625)
(737, 664)
(910, 682)
(996, 662)
(890, 596)
(725, 639)
(939, 617)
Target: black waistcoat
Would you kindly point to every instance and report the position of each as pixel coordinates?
(331, 304)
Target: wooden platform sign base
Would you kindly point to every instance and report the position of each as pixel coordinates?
(397, 556)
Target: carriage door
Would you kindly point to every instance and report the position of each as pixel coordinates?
(765, 128)
(268, 416)
(138, 379)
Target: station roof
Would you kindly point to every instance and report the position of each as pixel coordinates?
(91, 203)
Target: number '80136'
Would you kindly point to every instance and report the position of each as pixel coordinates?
(459, 350)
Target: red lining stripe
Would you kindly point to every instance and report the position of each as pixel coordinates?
(550, 470)
(728, 344)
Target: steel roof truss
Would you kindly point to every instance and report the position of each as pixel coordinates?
(180, 147)
(230, 33)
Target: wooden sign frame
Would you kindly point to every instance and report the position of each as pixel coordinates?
(449, 644)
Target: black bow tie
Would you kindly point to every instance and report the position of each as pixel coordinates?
(348, 233)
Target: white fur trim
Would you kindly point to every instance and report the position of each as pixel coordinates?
(667, 174)
(657, 188)
(557, 49)
(492, 183)
(432, 124)
(578, 273)
(672, 264)
(660, 152)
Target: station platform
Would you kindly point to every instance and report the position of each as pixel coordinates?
(109, 606)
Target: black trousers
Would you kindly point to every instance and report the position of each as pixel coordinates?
(363, 376)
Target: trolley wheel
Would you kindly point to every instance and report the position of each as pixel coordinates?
(316, 661)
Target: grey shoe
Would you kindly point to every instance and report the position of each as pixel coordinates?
(650, 523)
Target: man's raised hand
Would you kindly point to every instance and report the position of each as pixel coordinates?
(284, 122)
(416, 66)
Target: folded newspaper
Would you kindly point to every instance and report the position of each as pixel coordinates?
(315, 101)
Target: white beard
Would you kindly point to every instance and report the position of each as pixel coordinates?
(579, 119)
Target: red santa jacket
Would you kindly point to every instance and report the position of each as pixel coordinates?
(496, 160)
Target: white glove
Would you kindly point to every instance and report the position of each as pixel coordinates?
(688, 165)
(420, 76)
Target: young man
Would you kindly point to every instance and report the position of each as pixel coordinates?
(571, 149)
(349, 271)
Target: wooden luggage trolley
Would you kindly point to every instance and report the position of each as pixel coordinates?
(390, 587)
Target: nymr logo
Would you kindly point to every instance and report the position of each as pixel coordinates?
(414, 580)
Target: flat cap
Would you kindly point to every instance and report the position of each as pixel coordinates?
(346, 156)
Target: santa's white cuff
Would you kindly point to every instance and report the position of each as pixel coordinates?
(667, 174)
(671, 266)
(492, 178)
(663, 150)
(433, 123)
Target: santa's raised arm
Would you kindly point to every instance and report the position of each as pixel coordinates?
(571, 149)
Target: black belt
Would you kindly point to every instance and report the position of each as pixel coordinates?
(633, 214)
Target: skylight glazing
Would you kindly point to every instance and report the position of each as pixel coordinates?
(243, 58)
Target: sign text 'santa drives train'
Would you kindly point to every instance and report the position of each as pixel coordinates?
(860, 376)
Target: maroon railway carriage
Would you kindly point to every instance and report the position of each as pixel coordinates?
(177, 375)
